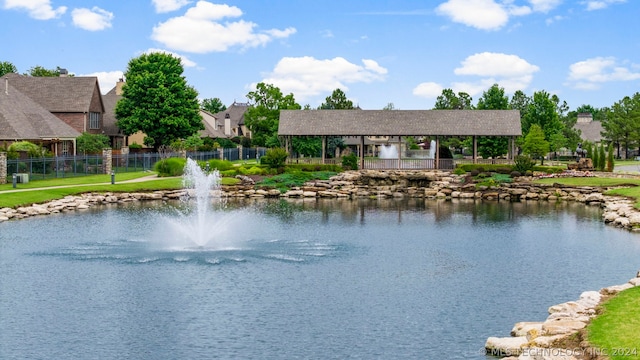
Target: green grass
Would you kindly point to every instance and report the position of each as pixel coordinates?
(618, 326)
(49, 192)
(631, 187)
(77, 180)
(285, 181)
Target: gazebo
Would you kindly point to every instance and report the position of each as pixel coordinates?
(400, 123)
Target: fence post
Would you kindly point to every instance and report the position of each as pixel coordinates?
(240, 156)
(3, 168)
(107, 161)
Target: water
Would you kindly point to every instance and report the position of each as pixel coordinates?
(301, 279)
(388, 151)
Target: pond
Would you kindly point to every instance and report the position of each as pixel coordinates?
(276, 279)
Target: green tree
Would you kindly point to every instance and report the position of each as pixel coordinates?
(157, 100)
(534, 143)
(595, 157)
(610, 162)
(622, 122)
(448, 100)
(389, 106)
(493, 99)
(7, 68)
(263, 115)
(542, 111)
(91, 143)
(213, 105)
(520, 101)
(39, 71)
(602, 158)
(337, 101)
(311, 146)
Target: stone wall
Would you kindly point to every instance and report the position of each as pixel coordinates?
(107, 161)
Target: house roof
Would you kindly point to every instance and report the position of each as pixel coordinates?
(210, 126)
(236, 114)
(109, 126)
(58, 94)
(399, 122)
(21, 118)
(590, 131)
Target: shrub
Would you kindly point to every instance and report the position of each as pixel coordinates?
(30, 148)
(515, 174)
(229, 173)
(523, 163)
(170, 167)
(221, 165)
(474, 172)
(274, 158)
(350, 162)
(459, 171)
(255, 170)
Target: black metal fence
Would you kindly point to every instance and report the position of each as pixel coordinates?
(81, 165)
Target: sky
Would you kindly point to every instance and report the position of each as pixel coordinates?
(378, 52)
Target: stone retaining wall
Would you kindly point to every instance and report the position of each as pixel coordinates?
(428, 184)
(3, 168)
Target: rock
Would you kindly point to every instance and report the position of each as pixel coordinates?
(562, 326)
(309, 194)
(505, 346)
(635, 281)
(590, 299)
(612, 290)
(521, 328)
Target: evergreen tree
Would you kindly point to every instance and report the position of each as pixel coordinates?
(610, 163)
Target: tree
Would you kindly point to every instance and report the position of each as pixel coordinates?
(493, 99)
(543, 112)
(389, 106)
(534, 143)
(622, 122)
(337, 101)
(39, 71)
(91, 143)
(213, 105)
(610, 162)
(263, 115)
(157, 100)
(520, 101)
(448, 100)
(7, 68)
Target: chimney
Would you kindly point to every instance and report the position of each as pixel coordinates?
(119, 86)
(63, 73)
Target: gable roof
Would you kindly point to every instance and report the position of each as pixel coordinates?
(71, 94)
(590, 131)
(236, 114)
(21, 118)
(399, 122)
(210, 126)
(110, 100)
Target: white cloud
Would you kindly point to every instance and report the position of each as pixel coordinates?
(93, 19)
(200, 30)
(37, 9)
(307, 77)
(163, 6)
(491, 14)
(183, 59)
(544, 5)
(429, 90)
(480, 14)
(508, 71)
(591, 73)
(107, 79)
(600, 4)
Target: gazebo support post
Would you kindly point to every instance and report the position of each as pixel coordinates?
(437, 153)
(324, 147)
(361, 152)
(399, 151)
(475, 149)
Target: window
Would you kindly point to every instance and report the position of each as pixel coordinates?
(94, 120)
(65, 148)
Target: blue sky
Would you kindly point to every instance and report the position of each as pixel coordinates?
(378, 52)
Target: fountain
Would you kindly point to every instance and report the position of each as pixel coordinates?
(204, 226)
(388, 151)
(432, 150)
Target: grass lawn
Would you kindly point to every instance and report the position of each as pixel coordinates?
(631, 187)
(617, 329)
(94, 183)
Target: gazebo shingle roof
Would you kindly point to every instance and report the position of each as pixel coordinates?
(399, 122)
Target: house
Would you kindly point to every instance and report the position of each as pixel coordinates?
(590, 130)
(76, 100)
(23, 119)
(117, 139)
(212, 127)
(232, 120)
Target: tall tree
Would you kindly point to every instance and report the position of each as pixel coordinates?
(544, 112)
(534, 143)
(389, 106)
(7, 68)
(157, 100)
(212, 105)
(337, 101)
(622, 122)
(39, 71)
(520, 101)
(493, 99)
(263, 115)
(448, 100)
